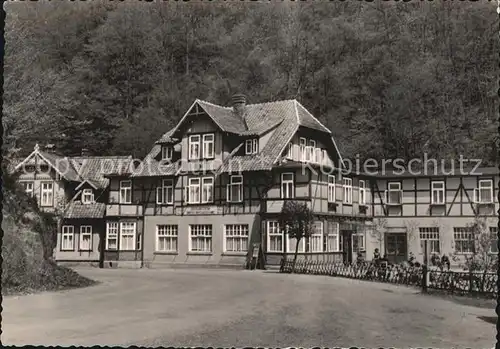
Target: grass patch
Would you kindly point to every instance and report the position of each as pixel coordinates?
(48, 277)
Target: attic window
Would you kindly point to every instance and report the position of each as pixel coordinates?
(87, 196)
(166, 152)
(251, 146)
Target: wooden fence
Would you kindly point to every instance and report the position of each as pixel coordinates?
(453, 282)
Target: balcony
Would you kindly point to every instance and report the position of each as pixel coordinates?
(308, 154)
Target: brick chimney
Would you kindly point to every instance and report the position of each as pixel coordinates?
(50, 148)
(238, 102)
(85, 152)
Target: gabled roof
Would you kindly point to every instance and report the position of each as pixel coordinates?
(90, 169)
(96, 168)
(62, 165)
(284, 117)
(306, 119)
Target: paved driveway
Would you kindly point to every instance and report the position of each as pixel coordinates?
(241, 308)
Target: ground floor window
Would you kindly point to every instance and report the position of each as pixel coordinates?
(274, 237)
(68, 238)
(430, 234)
(112, 236)
(332, 239)
(358, 242)
(166, 238)
(127, 236)
(316, 238)
(236, 237)
(86, 238)
(464, 240)
(200, 238)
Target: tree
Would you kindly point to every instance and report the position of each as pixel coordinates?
(296, 219)
(378, 230)
(481, 240)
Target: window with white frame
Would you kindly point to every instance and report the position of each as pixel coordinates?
(287, 185)
(235, 189)
(311, 150)
(463, 239)
(437, 192)
(127, 236)
(316, 238)
(112, 235)
(251, 146)
(289, 153)
(362, 192)
(47, 197)
(484, 193)
(430, 234)
(193, 190)
(166, 238)
(347, 184)
(318, 157)
(200, 238)
(302, 148)
(358, 242)
(194, 147)
(167, 152)
(331, 188)
(165, 193)
(208, 146)
(393, 193)
(324, 156)
(207, 193)
(28, 187)
(494, 240)
(85, 238)
(236, 237)
(125, 192)
(138, 242)
(274, 237)
(87, 196)
(68, 238)
(331, 242)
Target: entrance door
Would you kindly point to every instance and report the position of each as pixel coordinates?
(347, 245)
(396, 247)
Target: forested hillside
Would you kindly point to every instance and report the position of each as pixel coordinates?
(389, 79)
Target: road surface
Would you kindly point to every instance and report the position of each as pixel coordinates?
(193, 307)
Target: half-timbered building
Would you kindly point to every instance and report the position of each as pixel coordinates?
(76, 191)
(214, 185)
(210, 191)
(435, 206)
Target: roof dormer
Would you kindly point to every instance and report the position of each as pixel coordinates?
(87, 196)
(251, 146)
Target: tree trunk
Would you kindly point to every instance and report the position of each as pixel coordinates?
(295, 256)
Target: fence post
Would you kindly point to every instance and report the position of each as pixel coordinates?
(470, 280)
(424, 278)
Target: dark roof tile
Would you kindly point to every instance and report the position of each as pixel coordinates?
(78, 210)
